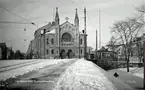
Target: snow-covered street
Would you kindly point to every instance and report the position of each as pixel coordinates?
(59, 74)
(22, 67)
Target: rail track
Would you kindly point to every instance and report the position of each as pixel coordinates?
(15, 66)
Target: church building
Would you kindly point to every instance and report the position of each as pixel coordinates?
(58, 40)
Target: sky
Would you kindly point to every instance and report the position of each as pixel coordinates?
(43, 11)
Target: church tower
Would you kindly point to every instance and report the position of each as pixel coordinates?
(76, 21)
(56, 17)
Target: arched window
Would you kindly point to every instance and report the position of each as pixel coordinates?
(52, 41)
(81, 41)
(52, 51)
(66, 37)
(47, 41)
(47, 51)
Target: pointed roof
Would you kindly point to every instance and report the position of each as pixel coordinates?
(56, 15)
(76, 16)
(67, 22)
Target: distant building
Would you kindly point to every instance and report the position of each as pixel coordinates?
(3, 51)
(137, 50)
(56, 40)
(104, 53)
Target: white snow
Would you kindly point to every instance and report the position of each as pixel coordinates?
(83, 75)
(134, 71)
(12, 62)
(20, 71)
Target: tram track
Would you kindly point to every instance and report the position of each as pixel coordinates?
(15, 66)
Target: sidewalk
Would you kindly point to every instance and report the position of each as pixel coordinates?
(132, 80)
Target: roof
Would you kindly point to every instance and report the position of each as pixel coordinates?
(68, 23)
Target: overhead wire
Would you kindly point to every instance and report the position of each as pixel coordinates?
(13, 22)
(17, 15)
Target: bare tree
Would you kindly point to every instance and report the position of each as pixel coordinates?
(141, 8)
(112, 43)
(125, 32)
(140, 18)
(141, 11)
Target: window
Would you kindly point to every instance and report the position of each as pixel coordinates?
(47, 51)
(66, 37)
(52, 41)
(81, 41)
(81, 51)
(47, 41)
(52, 51)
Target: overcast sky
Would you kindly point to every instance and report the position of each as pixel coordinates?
(42, 11)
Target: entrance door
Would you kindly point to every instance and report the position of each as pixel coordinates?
(62, 54)
(70, 53)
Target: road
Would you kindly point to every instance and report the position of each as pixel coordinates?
(41, 79)
(65, 74)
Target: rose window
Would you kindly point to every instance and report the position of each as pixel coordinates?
(66, 37)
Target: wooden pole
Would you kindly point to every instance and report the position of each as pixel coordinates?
(85, 35)
(144, 58)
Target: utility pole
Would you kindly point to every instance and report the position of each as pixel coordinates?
(99, 29)
(85, 35)
(96, 45)
(79, 45)
(40, 55)
(144, 57)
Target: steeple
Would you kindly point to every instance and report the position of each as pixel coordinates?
(56, 16)
(76, 21)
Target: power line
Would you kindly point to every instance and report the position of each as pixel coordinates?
(14, 27)
(13, 22)
(18, 16)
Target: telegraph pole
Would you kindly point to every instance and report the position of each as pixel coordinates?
(96, 44)
(79, 45)
(99, 29)
(144, 57)
(85, 35)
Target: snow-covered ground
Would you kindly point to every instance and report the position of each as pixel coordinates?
(134, 71)
(83, 75)
(12, 62)
(22, 70)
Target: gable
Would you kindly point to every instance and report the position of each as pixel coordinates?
(67, 25)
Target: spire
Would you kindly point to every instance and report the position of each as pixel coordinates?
(76, 21)
(57, 16)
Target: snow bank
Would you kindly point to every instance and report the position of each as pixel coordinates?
(83, 75)
(20, 71)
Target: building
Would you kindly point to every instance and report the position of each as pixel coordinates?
(56, 40)
(5, 52)
(136, 51)
(105, 54)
